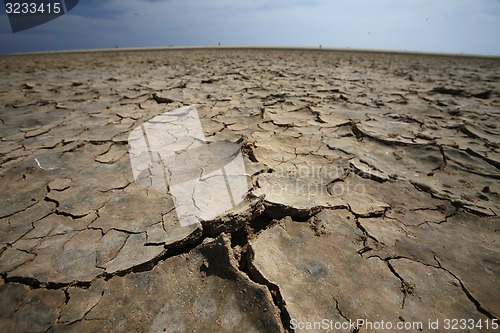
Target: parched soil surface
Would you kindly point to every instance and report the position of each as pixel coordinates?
(373, 179)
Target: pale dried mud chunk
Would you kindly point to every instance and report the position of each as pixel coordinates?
(184, 293)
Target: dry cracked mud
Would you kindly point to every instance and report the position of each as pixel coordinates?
(374, 192)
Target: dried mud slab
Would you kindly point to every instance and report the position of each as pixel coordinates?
(202, 290)
(335, 276)
(373, 191)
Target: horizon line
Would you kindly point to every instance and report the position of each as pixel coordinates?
(284, 47)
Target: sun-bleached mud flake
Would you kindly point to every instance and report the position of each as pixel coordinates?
(112, 155)
(133, 253)
(464, 245)
(111, 243)
(64, 258)
(81, 301)
(423, 285)
(59, 184)
(298, 192)
(41, 306)
(15, 226)
(170, 233)
(12, 258)
(315, 279)
(132, 211)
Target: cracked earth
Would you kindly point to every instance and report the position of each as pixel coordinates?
(373, 178)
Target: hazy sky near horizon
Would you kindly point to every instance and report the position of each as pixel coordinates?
(452, 26)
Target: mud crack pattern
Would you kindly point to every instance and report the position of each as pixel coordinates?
(374, 191)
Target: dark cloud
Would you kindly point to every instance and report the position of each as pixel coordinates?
(466, 26)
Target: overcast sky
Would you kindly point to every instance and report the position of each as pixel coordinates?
(454, 26)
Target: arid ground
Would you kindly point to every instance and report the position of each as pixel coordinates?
(374, 193)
